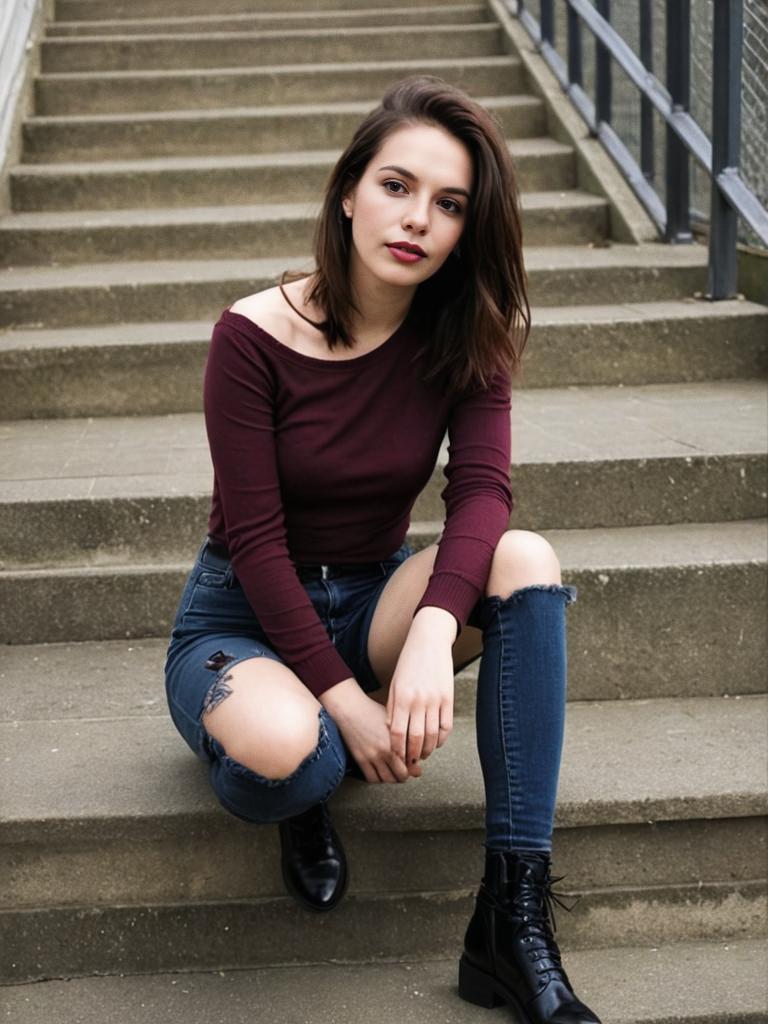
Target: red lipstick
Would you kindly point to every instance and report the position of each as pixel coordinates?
(406, 252)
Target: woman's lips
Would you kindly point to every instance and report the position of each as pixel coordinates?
(403, 256)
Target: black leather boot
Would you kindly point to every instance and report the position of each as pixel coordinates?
(313, 861)
(510, 954)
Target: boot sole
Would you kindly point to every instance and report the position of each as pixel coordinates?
(482, 989)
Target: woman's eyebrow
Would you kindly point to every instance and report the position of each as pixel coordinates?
(412, 176)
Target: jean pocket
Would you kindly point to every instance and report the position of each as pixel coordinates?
(216, 579)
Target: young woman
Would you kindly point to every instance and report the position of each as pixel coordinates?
(311, 640)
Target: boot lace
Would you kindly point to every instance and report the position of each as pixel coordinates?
(311, 831)
(533, 904)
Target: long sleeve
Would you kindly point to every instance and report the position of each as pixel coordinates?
(239, 399)
(478, 499)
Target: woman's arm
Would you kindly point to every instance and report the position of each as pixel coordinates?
(478, 501)
(239, 390)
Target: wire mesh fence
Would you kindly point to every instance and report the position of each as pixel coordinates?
(626, 98)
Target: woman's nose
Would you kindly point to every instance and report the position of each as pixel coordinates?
(415, 220)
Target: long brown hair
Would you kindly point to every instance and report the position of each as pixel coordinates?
(473, 312)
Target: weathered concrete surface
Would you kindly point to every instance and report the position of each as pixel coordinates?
(686, 983)
(69, 10)
(165, 290)
(113, 92)
(542, 164)
(62, 942)
(659, 609)
(92, 10)
(249, 129)
(623, 761)
(135, 488)
(109, 678)
(274, 19)
(671, 613)
(223, 859)
(156, 368)
(279, 46)
(647, 343)
(221, 232)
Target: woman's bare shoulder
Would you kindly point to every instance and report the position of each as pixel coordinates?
(267, 309)
(270, 311)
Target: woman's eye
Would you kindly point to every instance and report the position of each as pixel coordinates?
(454, 204)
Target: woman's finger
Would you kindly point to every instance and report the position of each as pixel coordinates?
(432, 730)
(398, 731)
(398, 769)
(415, 735)
(446, 722)
(384, 772)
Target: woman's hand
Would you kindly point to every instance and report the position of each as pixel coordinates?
(420, 703)
(362, 723)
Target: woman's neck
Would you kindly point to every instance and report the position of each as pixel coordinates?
(382, 305)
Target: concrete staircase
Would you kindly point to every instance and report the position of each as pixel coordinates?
(173, 164)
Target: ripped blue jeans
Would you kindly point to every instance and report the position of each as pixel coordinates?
(520, 697)
(520, 712)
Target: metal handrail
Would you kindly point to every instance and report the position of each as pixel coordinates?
(730, 197)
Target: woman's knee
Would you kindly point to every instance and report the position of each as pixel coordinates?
(264, 717)
(522, 558)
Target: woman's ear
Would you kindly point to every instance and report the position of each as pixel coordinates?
(348, 202)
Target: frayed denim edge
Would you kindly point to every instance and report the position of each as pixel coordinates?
(236, 768)
(569, 592)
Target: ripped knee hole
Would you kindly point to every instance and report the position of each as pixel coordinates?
(220, 689)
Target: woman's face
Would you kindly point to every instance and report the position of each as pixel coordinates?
(427, 206)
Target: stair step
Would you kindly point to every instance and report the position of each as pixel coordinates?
(232, 130)
(91, 10)
(292, 46)
(119, 678)
(661, 609)
(542, 164)
(446, 13)
(219, 232)
(106, 92)
(156, 368)
(157, 126)
(168, 290)
(91, 489)
(624, 762)
(682, 983)
(126, 853)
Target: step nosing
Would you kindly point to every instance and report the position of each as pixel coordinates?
(541, 258)
(264, 111)
(130, 218)
(134, 333)
(590, 551)
(652, 732)
(325, 67)
(54, 42)
(274, 15)
(530, 147)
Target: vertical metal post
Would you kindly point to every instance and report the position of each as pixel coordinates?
(679, 85)
(603, 89)
(547, 18)
(728, 32)
(575, 62)
(647, 155)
